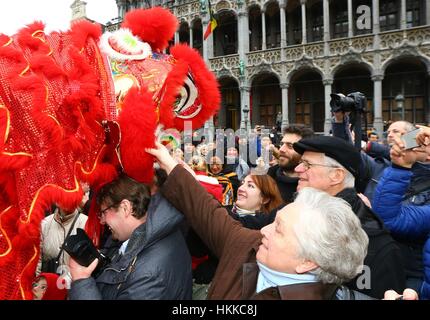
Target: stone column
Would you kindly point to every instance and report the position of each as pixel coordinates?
(207, 54)
(326, 16)
(191, 36)
(245, 103)
(326, 35)
(403, 14)
(350, 20)
(263, 29)
(428, 12)
(375, 16)
(208, 44)
(176, 37)
(376, 29)
(304, 36)
(282, 7)
(378, 123)
(121, 8)
(243, 29)
(327, 91)
(285, 120)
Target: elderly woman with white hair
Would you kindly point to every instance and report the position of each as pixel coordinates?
(314, 245)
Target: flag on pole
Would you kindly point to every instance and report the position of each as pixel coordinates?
(212, 22)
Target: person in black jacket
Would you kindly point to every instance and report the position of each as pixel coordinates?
(332, 164)
(152, 261)
(283, 173)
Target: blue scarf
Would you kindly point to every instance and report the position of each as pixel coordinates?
(270, 278)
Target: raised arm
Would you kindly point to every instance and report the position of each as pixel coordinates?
(406, 220)
(205, 214)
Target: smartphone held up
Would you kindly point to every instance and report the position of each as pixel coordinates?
(409, 139)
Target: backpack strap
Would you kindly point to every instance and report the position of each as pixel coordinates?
(416, 189)
(67, 235)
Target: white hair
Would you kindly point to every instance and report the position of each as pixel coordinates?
(330, 234)
(349, 180)
(407, 125)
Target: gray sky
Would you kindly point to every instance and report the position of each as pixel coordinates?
(56, 14)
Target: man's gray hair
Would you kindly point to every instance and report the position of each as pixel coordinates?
(349, 181)
(407, 125)
(330, 234)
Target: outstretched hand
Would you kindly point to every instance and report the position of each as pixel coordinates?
(163, 156)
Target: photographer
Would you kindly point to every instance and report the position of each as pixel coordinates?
(153, 261)
(408, 218)
(54, 230)
(371, 168)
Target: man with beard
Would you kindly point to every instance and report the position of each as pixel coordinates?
(283, 173)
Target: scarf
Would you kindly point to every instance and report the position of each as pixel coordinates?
(242, 212)
(270, 278)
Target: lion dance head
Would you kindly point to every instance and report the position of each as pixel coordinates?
(79, 106)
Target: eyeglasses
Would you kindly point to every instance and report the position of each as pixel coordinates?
(101, 213)
(307, 165)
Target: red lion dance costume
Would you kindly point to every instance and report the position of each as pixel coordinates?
(81, 106)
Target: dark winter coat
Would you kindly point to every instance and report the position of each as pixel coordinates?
(408, 219)
(384, 257)
(156, 263)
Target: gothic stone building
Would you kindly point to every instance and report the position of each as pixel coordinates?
(289, 55)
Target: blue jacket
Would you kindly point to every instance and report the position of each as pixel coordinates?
(406, 218)
(155, 265)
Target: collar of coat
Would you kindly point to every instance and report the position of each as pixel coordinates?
(303, 291)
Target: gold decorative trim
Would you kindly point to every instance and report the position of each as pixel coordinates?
(5, 234)
(6, 134)
(33, 203)
(36, 35)
(23, 270)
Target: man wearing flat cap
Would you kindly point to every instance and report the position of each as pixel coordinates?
(332, 165)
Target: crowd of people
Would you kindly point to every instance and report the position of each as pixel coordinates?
(305, 217)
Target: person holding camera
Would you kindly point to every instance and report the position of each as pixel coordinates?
(406, 211)
(54, 230)
(153, 261)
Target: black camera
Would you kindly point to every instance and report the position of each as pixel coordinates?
(355, 101)
(82, 250)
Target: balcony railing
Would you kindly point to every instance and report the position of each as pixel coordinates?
(224, 62)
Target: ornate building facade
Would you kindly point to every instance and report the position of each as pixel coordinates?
(289, 55)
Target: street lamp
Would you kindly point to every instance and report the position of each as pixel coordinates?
(400, 101)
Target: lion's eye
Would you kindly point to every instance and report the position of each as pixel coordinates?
(187, 104)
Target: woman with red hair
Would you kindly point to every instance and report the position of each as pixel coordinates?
(256, 198)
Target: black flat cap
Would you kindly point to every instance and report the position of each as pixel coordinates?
(336, 148)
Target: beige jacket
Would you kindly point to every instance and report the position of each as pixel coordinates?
(53, 233)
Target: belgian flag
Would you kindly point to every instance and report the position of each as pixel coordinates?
(212, 22)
